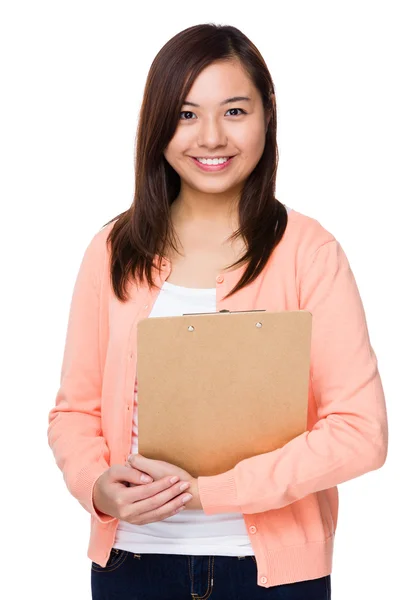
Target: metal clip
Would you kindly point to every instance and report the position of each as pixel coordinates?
(224, 310)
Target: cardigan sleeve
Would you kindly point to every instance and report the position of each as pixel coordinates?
(350, 435)
(74, 423)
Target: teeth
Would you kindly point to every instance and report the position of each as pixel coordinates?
(212, 161)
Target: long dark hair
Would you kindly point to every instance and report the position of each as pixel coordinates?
(143, 231)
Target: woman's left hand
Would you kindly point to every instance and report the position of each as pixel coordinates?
(158, 469)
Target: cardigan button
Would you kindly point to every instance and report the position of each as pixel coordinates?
(220, 278)
(253, 529)
(263, 579)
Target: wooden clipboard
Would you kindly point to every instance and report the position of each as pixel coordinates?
(216, 388)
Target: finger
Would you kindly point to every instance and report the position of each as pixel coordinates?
(151, 466)
(129, 474)
(148, 490)
(164, 507)
(144, 477)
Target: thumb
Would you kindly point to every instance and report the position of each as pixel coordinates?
(132, 475)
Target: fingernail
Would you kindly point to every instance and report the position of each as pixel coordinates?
(186, 498)
(146, 479)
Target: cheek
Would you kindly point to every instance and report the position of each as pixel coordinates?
(176, 152)
(257, 147)
(251, 140)
(172, 158)
(181, 141)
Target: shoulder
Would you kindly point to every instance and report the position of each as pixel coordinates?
(314, 248)
(97, 245)
(306, 233)
(95, 257)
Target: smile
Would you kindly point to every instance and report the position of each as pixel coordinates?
(218, 167)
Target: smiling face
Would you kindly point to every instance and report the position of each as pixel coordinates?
(223, 116)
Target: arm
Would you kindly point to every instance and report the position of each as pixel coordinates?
(350, 435)
(74, 424)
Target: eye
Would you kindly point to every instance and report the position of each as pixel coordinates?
(188, 112)
(241, 110)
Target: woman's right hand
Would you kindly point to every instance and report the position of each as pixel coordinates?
(141, 503)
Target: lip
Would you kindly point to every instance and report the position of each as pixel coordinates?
(211, 168)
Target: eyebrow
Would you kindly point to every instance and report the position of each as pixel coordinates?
(227, 101)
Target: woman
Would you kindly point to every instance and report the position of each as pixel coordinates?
(205, 232)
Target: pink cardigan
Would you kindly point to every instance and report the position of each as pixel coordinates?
(288, 497)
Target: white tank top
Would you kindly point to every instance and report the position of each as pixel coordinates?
(191, 531)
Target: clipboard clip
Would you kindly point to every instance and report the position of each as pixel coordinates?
(224, 310)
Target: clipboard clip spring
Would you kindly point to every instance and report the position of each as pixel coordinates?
(225, 310)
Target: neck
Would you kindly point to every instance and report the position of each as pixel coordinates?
(197, 207)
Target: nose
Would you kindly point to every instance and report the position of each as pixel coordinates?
(211, 134)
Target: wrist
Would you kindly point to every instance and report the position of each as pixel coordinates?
(195, 502)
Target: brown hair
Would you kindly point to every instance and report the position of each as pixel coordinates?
(144, 230)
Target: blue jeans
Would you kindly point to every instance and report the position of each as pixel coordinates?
(129, 576)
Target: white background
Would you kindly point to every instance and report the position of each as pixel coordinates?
(72, 76)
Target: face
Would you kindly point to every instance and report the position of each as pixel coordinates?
(212, 128)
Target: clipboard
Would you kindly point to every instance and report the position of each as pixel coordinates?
(216, 388)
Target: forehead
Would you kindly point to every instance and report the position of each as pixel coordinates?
(219, 81)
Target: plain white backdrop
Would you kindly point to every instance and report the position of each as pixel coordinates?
(72, 76)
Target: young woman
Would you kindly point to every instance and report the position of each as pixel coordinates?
(205, 232)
